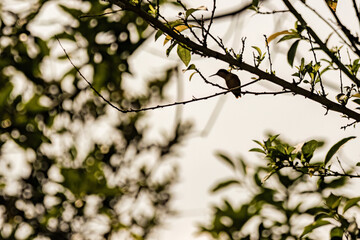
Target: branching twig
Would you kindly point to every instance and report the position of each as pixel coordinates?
(318, 72)
(203, 28)
(348, 125)
(169, 104)
(327, 173)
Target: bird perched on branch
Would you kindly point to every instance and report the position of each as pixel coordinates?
(232, 81)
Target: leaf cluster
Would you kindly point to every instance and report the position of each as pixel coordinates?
(298, 157)
(44, 118)
(282, 209)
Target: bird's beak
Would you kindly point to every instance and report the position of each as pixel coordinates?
(213, 75)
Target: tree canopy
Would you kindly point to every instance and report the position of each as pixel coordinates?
(78, 159)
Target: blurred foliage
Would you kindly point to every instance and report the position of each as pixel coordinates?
(53, 182)
(289, 205)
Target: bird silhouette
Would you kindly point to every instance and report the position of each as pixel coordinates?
(232, 81)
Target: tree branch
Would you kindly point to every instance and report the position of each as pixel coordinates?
(201, 50)
(321, 43)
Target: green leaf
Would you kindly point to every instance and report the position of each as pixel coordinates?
(322, 215)
(184, 54)
(258, 142)
(242, 166)
(158, 34)
(292, 52)
(152, 10)
(314, 225)
(335, 148)
(333, 201)
(288, 37)
(191, 75)
(350, 203)
(33, 105)
(336, 233)
(224, 185)
(190, 67)
(72, 11)
(43, 46)
(257, 49)
(257, 150)
(178, 29)
(255, 3)
(226, 159)
(275, 35)
(309, 148)
(168, 50)
(357, 100)
(101, 75)
(337, 182)
(5, 93)
(273, 138)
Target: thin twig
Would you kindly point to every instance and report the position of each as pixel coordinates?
(142, 109)
(273, 12)
(165, 105)
(157, 8)
(83, 77)
(192, 31)
(348, 125)
(208, 82)
(268, 50)
(203, 27)
(211, 21)
(265, 93)
(340, 165)
(324, 172)
(242, 49)
(341, 81)
(327, 22)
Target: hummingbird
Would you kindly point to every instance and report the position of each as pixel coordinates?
(232, 81)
